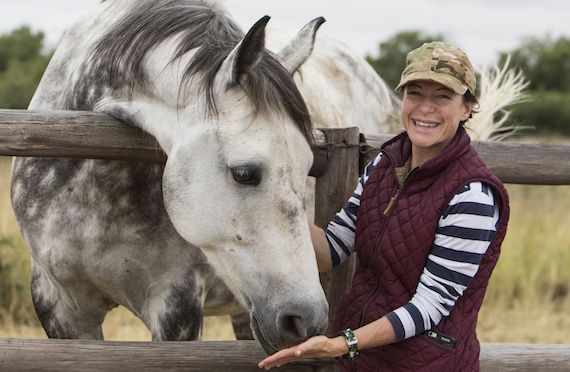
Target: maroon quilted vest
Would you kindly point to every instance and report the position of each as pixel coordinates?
(393, 245)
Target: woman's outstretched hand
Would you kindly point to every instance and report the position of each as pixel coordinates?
(313, 348)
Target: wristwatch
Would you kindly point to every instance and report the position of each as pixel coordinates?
(352, 343)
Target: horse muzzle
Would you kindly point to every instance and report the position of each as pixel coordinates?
(288, 324)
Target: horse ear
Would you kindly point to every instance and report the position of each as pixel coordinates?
(294, 54)
(245, 55)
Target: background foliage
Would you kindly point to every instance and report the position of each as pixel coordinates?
(22, 63)
(392, 54)
(546, 64)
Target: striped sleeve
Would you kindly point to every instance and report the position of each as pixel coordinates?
(341, 230)
(464, 233)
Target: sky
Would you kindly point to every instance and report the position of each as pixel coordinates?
(481, 28)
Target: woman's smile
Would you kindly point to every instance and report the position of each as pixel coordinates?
(422, 124)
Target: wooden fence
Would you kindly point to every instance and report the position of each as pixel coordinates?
(339, 157)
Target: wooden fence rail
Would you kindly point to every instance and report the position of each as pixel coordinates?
(82, 134)
(338, 158)
(516, 162)
(21, 355)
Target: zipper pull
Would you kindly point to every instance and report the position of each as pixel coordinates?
(390, 203)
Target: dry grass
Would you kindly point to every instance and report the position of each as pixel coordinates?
(528, 299)
(7, 220)
(521, 323)
(121, 325)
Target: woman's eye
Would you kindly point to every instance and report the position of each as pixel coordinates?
(246, 176)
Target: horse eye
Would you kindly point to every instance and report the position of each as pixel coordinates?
(246, 176)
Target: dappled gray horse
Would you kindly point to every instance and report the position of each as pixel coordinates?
(236, 131)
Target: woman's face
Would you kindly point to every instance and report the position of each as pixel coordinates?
(431, 114)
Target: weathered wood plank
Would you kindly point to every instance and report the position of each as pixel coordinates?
(96, 356)
(85, 135)
(524, 358)
(80, 134)
(514, 162)
(236, 356)
(527, 163)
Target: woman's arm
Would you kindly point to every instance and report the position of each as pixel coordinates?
(322, 248)
(377, 333)
(336, 244)
(464, 233)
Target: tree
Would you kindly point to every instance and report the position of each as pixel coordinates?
(545, 63)
(22, 63)
(392, 54)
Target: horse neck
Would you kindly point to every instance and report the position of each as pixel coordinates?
(70, 60)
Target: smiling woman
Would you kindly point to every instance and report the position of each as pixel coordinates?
(427, 221)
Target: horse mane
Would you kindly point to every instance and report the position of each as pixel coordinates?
(119, 54)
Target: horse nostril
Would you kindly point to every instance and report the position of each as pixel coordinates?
(292, 327)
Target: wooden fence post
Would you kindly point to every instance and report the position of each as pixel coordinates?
(333, 188)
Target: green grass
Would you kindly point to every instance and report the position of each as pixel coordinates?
(15, 282)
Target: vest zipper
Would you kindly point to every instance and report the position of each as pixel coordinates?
(373, 294)
(388, 213)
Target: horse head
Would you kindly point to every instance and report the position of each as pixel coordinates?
(236, 188)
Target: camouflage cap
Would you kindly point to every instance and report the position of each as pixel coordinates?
(442, 63)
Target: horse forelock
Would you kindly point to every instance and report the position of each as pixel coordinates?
(268, 86)
(118, 56)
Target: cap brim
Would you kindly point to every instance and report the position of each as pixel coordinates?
(443, 79)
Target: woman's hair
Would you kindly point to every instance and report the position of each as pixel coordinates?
(470, 97)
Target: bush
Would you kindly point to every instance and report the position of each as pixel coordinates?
(19, 82)
(22, 63)
(548, 112)
(15, 295)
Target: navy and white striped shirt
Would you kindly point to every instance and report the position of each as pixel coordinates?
(464, 233)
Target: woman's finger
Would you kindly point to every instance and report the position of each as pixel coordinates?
(308, 349)
(278, 359)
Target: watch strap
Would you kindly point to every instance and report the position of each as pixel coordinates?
(352, 343)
